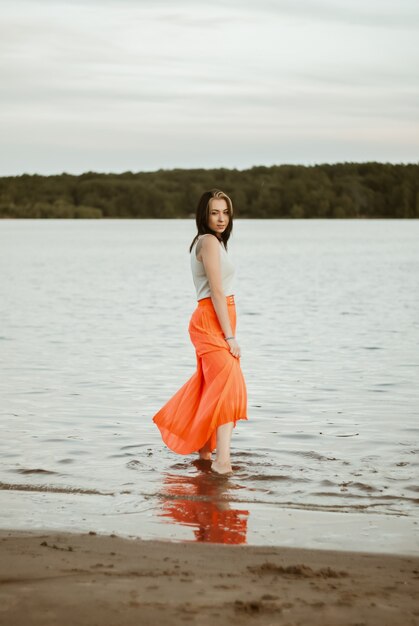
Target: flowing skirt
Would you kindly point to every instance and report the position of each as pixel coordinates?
(214, 395)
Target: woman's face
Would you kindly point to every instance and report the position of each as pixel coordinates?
(218, 217)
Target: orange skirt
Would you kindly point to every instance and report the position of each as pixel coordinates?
(214, 395)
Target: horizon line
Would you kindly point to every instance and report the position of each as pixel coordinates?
(221, 167)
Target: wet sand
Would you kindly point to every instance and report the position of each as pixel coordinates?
(64, 578)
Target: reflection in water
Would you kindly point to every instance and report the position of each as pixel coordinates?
(201, 501)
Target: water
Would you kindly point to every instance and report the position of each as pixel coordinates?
(94, 340)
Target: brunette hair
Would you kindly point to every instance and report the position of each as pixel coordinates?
(202, 214)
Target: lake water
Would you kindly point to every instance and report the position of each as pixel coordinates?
(94, 340)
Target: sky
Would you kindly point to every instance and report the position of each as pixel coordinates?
(142, 85)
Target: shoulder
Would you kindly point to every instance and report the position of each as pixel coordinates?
(208, 247)
(209, 241)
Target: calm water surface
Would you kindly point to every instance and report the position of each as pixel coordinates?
(94, 340)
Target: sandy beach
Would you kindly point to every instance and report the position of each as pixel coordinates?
(65, 578)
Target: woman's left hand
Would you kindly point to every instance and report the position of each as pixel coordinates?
(234, 347)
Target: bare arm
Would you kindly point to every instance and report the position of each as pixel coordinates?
(210, 252)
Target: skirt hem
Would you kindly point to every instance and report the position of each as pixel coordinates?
(166, 434)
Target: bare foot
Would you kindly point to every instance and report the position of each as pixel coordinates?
(221, 468)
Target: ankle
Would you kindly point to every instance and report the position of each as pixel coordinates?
(222, 468)
(222, 460)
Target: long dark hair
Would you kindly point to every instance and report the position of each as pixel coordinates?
(202, 214)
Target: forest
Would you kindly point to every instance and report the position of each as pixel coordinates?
(342, 190)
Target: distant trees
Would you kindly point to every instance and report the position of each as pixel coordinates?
(342, 190)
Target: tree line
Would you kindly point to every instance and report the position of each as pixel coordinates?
(342, 190)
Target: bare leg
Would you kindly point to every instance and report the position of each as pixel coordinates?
(222, 463)
(205, 452)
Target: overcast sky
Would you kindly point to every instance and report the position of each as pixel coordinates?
(136, 85)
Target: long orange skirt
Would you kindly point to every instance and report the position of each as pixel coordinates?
(214, 395)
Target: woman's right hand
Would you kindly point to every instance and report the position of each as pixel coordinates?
(234, 348)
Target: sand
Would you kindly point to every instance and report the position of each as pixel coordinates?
(86, 579)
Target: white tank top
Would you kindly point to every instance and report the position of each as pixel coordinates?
(200, 278)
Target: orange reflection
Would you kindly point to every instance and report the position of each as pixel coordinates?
(201, 501)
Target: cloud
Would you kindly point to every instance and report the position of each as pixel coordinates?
(374, 13)
(194, 13)
(252, 77)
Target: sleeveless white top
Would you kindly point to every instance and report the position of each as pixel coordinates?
(200, 278)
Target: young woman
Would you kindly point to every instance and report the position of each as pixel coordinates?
(201, 416)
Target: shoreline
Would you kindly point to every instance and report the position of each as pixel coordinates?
(182, 519)
(49, 577)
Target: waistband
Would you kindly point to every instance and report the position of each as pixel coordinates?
(208, 301)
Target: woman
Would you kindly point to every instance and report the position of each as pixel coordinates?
(202, 414)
